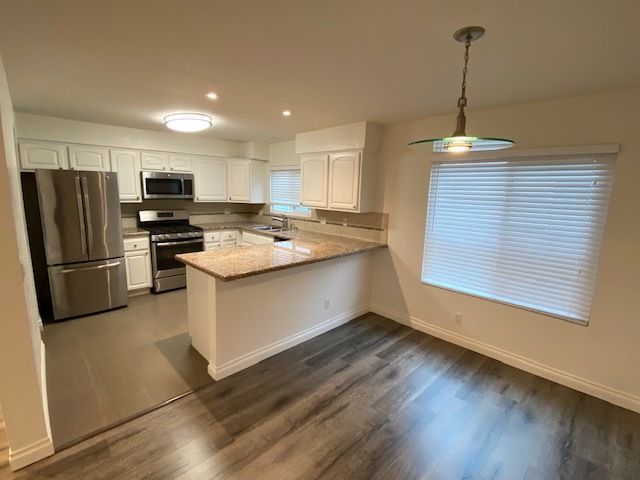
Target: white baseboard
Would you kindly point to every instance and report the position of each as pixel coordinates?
(44, 447)
(31, 453)
(611, 395)
(249, 359)
(43, 387)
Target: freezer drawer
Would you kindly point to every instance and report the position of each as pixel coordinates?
(89, 287)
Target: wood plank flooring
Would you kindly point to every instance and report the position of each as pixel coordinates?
(369, 400)
(105, 368)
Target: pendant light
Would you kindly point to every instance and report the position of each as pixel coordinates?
(459, 141)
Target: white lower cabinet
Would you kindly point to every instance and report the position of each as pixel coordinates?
(137, 257)
(228, 239)
(220, 239)
(211, 240)
(250, 239)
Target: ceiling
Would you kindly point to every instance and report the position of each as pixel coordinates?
(331, 62)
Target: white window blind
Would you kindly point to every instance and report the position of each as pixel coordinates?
(285, 187)
(285, 192)
(526, 232)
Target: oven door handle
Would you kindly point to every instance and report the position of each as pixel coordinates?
(181, 242)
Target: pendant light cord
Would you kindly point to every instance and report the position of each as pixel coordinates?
(462, 101)
(461, 120)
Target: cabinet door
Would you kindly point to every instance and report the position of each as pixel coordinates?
(239, 180)
(313, 175)
(248, 238)
(344, 181)
(86, 157)
(155, 160)
(263, 240)
(34, 154)
(138, 269)
(180, 163)
(127, 164)
(210, 178)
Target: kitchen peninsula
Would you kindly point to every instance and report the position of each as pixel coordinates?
(247, 304)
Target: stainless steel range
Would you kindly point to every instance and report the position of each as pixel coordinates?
(171, 234)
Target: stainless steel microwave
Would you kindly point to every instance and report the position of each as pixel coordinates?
(167, 185)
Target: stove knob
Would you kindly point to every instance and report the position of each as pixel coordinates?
(161, 237)
(192, 234)
(179, 235)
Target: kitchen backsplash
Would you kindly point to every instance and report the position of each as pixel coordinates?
(366, 226)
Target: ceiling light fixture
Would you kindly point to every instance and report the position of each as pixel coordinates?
(188, 122)
(286, 113)
(459, 141)
(212, 96)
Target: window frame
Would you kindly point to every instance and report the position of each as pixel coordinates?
(287, 209)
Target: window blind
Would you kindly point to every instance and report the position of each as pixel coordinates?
(526, 232)
(285, 187)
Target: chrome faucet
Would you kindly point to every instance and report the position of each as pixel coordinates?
(284, 220)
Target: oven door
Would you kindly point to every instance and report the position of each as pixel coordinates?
(163, 253)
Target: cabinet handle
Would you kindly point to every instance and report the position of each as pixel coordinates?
(137, 198)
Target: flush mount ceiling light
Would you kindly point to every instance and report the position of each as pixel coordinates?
(286, 113)
(188, 122)
(459, 141)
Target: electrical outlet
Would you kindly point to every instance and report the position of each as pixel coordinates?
(327, 304)
(458, 318)
(323, 220)
(227, 211)
(344, 222)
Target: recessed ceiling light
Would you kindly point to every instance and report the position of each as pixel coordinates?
(188, 122)
(212, 96)
(286, 113)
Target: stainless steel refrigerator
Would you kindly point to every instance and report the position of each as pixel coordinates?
(82, 230)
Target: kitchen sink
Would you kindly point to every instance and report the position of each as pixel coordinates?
(267, 228)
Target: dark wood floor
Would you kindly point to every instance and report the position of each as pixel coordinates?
(369, 400)
(104, 368)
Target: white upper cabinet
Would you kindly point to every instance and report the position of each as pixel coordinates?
(89, 157)
(180, 163)
(210, 178)
(35, 154)
(344, 181)
(127, 164)
(168, 162)
(155, 161)
(338, 166)
(246, 180)
(314, 175)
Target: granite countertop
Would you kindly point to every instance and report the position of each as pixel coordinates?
(133, 231)
(302, 247)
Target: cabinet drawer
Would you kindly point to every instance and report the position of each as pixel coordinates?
(211, 237)
(229, 235)
(136, 243)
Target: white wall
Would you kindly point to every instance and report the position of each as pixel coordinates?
(602, 358)
(22, 386)
(38, 127)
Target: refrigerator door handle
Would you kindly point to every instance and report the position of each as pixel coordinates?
(83, 237)
(88, 212)
(96, 267)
